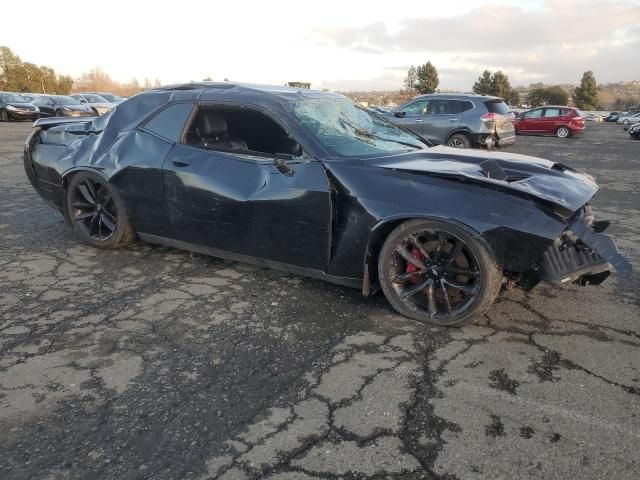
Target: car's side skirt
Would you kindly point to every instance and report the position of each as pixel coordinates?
(238, 257)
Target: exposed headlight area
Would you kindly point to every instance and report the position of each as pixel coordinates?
(11, 108)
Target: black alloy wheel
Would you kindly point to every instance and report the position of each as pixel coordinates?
(97, 212)
(437, 273)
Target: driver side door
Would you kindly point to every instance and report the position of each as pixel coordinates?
(412, 115)
(249, 202)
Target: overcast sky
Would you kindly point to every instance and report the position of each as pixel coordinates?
(332, 44)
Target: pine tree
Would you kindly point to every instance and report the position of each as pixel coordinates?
(484, 85)
(586, 95)
(427, 78)
(410, 81)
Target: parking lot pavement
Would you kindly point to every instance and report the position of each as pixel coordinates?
(154, 363)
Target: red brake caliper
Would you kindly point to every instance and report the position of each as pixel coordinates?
(412, 268)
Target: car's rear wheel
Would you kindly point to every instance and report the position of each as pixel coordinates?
(97, 212)
(438, 273)
(459, 140)
(563, 132)
(3, 116)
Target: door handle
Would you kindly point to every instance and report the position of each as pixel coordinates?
(454, 119)
(419, 120)
(178, 163)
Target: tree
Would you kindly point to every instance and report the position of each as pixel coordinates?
(426, 78)
(551, 95)
(484, 85)
(19, 76)
(207, 79)
(412, 78)
(586, 95)
(497, 85)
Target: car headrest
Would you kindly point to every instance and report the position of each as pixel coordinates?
(211, 125)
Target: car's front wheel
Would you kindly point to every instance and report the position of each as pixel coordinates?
(59, 113)
(3, 116)
(97, 212)
(626, 122)
(563, 132)
(438, 273)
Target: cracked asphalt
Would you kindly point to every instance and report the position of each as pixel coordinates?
(152, 363)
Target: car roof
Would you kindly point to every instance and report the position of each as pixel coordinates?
(274, 90)
(454, 96)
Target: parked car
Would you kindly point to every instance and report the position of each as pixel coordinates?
(313, 184)
(14, 106)
(592, 117)
(629, 118)
(612, 117)
(29, 96)
(551, 120)
(61, 106)
(634, 131)
(458, 120)
(110, 97)
(97, 103)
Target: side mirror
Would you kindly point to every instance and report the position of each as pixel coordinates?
(399, 113)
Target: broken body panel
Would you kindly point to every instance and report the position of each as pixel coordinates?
(318, 214)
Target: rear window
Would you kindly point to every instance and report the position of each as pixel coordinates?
(497, 106)
(169, 122)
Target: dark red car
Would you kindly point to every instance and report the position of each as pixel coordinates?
(551, 120)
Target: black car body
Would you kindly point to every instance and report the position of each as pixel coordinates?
(634, 131)
(269, 176)
(14, 106)
(61, 106)
(612, 117)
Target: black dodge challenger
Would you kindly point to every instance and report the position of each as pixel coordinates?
(310, 183)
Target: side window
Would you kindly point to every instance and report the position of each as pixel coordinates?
(417, 108)
(169, 122)
(533, 113)
(552, 112)
(240, 129)
(444, 107)
(465, 105)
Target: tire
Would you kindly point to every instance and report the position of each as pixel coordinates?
(459, 140)
(563, 132)
(97, 212)
(95, 112)
(457, 286)
(59, 113)
(626, 121)
(4, 117)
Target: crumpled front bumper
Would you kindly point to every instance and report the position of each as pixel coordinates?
(583, 254)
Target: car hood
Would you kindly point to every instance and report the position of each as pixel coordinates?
(76, 108)
(22, 105)
(541, 178)
(103, 105)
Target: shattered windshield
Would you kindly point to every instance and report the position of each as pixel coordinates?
(347, 130)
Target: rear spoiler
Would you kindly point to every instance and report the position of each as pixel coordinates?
(45, 123)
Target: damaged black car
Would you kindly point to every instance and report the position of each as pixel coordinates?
(311, 183)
